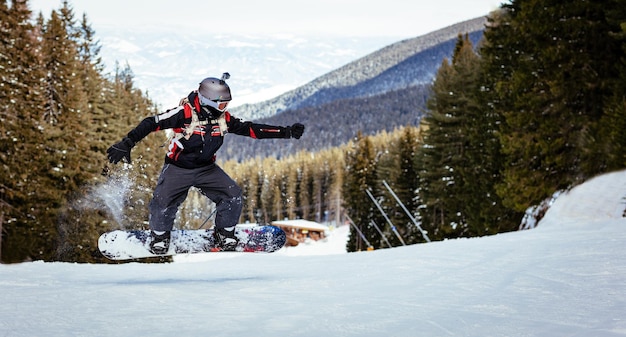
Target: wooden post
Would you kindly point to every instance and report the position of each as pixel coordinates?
(380, 232)
(359, 231)
(338, 221)
(1, 222)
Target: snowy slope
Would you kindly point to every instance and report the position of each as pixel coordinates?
(567, 277)
(599, 200)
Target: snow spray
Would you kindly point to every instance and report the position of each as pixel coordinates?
(113, 194)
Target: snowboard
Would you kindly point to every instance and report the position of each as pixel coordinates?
(134, 244)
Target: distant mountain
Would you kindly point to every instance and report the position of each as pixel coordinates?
(169, 63)
(384, 90)
(327, 84)
(400, 65)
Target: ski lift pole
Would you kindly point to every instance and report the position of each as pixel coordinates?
(207, 219)
(393, 228)
(407, 212)
(359, 231)
(373, 223)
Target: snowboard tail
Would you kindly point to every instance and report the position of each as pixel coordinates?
(134, 244)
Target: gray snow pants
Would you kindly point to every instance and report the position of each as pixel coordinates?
(173, 185)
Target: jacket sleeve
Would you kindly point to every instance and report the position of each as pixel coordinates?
(255, 130)
(173, 118)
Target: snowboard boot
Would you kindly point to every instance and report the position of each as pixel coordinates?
(160, 242)
(225, 239)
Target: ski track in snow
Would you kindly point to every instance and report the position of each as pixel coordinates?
(567, 277)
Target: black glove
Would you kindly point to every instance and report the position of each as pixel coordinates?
(295, 131)
(121, 150)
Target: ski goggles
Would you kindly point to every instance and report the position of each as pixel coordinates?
(218, 105)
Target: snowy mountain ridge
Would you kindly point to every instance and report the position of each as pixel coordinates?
(168, 64)
(380, 92)
(397, 66)
(275, 73)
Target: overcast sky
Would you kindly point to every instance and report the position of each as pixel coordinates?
(395, 18)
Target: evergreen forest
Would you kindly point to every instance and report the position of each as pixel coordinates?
(537, 106)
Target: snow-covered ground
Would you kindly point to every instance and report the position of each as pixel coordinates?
(567, 277)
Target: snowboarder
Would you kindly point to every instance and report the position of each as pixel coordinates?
(199, 123)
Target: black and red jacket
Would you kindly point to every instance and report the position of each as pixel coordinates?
(198, 149)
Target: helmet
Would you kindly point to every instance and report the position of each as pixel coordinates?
(213, 90)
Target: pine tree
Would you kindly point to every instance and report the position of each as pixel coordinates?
(291, 184)
(483, 207)
(41, 188)
(305, 187)
(406, 183)
(63, 90)
(396, 167)
(58, 115)
(611, 136)
(333, 178)
(336, 158)
(322, 182)
(246, 176)
(18, 103)
(560, 66)
(361, 176)
(442, 156)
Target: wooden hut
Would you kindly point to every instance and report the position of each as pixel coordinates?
(300, 230)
